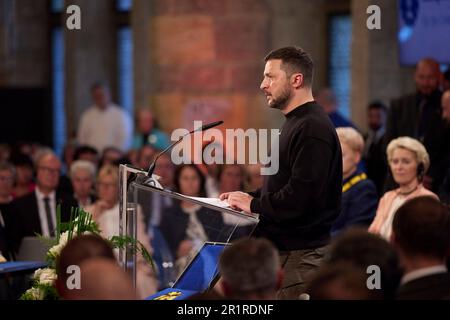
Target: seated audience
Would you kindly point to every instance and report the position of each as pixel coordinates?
(147, 133)
(86, 153)
(111, 156)
(359, 194)
(254, 179)
(186, 226)
(24, 171)
(374, 156)
(250, 270)
(102, 279)
(421, 233)
(76, 251)
(105, 211)
(340, 281)
(35, 213)
(82, 174)
(408, 162)
(7, 177)
(363, 249)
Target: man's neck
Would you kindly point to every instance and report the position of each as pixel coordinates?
(298, 100)
(45, 191)
(411, 264)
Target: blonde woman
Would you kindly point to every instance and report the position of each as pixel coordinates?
(408, 161)
(105, 211)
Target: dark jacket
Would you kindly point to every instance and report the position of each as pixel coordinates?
(432, 287)
(24, 216)
(359, 203)
(174, 224)
(420, 117)
(298, 204)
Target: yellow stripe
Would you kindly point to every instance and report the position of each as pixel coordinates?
(353, 181)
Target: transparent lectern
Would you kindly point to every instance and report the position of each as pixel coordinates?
(182, 229)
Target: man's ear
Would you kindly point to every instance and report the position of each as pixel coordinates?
(297, 80)
(280, 278)
(225, 288)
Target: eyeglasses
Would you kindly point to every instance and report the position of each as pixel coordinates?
(49, 170)
(7, 179)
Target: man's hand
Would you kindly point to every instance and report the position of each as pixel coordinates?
(238, 200)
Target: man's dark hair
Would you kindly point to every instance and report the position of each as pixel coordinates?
(82, 248)
(99, 85)
(378, 105)
(341, 281)
(250, 267)
(294, 60)
(447, 75)
(82, 150)
(362, 249)
(421, 226)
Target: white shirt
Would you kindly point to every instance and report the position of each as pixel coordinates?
(111, 127)
(43, 214)
(424, 272)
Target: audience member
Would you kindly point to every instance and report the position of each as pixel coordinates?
(374, 155)
(86, 153)
(250, 270)
(77, 250)
(363, 249)
(421, 233)
(359, 194)
(104, 124)
(327, 99)
(254, 179)
(147, 133)
(36, 211)
(82, 174)
(24, 180)
(418, 115)
(102, 279)
(7, 177)
(340, 281)
(111, 155)
(105, 211)
(408, 161)
(186, 226)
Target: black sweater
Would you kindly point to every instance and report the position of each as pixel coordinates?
(299, 204)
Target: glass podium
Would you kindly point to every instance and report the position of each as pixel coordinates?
(187, 234)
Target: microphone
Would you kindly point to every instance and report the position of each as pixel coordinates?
(202, 128)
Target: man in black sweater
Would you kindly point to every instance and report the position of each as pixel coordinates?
(299, 203)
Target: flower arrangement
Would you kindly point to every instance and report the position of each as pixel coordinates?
(80, 222)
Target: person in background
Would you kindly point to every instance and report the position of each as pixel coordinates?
(105, 211)
(374, 156)
(446, 80)
(327, 100)
(250, 270)
(24, 180)
(186, 226)
(82, 175)
(420, 233)
(359, 194)
(408, 161)
(35, 213)
(110, 155)
(147, 133)
(418, 115)
(86, 153)
(7, 177)
(104, 124)
(254, 179)
(444, 189)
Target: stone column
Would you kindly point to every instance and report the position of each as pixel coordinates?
(376, 72)
(90, 56)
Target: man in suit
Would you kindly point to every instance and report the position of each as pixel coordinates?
(36, 211)
(420, 233)
(418, 115)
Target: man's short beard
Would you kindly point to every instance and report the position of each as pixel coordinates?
(281, 102)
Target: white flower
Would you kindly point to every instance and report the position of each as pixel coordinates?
(45, 276)
(36, 293)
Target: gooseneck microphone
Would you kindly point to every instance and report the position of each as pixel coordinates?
(202, 128)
